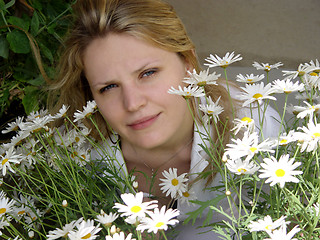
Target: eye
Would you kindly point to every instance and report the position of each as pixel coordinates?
(148, 73)
(108, 87)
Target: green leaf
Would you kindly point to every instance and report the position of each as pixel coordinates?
(18, 41)
(2, 5)
(34, 24)
(22, 23)
(9, 4)
(39, 81)
(51, 28)
(4, 47)
(30, 99)
(203, 206)
(46, 52)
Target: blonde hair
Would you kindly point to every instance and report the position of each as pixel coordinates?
(154, 21)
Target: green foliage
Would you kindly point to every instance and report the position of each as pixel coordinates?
(27, 29)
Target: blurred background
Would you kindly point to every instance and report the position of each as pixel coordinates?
(264, 31)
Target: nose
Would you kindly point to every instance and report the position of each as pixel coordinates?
(133, 98)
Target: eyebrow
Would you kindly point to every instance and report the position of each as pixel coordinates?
(134, 72)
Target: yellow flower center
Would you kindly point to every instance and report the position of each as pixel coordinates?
(316, 135)
(3, 210)
(159, 224)
(77, 139)
(242, 170)
(283, 141)
(136, 209)
(4, 161)
(86, 236)
(253, 149)
(280, 173)
(246, 119)
(186, 194)
(268, 227)
(314, 74)
(201, 84)
(174, 182)
(257, 95)
(249, 80)
(21, 212)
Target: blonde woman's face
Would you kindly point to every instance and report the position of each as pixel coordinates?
(129, 80)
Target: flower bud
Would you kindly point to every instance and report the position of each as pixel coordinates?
(64, 203)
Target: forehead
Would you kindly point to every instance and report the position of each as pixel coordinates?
(124, 52)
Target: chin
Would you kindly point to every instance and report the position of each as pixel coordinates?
(148, 143)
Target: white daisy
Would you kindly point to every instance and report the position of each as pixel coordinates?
(36, 124)
(75, 137)
(120, 236)
(9, 158)
(159, 220)
(13, 126)
(85, 230)
(306, 96)
(286, 138)
(62, 112)
(203, 78)
(266, 66)
(240, 167)
(286, 86)
(188, 196)
(88, 110)
(316, 208)
(313, 66)
(106, 219)
(80, 155)
(266, 224)
(17, 139)
(63, 233)
(302, 68)
(173, 184)
(212, 109)
(20, 211)
(282, 234)
(248, 146)
(4, 222)
(37, 114)
(309, 138)
(312, 80)
(249, 79)
(245, 122)
(6, 206)
(256, 93)
(134, 206)
(216, 61)
(281, 171)
(187, 92)
(16, 238)
(309, 109)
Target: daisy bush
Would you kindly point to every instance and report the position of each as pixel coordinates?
(271, 183)
(60, 183)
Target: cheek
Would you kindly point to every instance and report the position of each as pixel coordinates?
(107, 110)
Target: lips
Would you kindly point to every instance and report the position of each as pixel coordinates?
(144, 122)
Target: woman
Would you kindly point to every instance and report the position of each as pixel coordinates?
(126, 54)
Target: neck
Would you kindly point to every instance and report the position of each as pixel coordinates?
(148, 165)
(156, 158)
